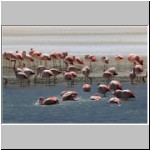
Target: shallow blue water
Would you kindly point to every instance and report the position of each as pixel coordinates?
(20, 106)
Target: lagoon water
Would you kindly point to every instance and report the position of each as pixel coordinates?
(20, 105)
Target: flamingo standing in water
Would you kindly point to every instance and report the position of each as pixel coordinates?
(27, 58)
(39, 71)
(69, 95)
(138, 70)
(19, 57)
(73, 68)
(95, 97)
(28, 72)
(108, 75)
(132, 75)
(124, 94)
(44, 57)
(78, 61)
(105, 60)
(113, 71)
(70, 76)
(47, 74)
(90, 59)
(20, 75)
(48, 101)
(115, 85)
(86, 72)
(103, 88)
(55, 72)
(114, 100)
(119, 59)
(86, 87)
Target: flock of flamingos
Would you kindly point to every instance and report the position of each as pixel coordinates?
(69, 66)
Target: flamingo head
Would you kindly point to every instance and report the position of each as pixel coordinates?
(41, 99)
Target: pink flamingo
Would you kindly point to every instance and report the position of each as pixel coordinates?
(19, 73)
(59, 57)
(27, 58)
(73, 68)
(86, 72)
(53, 58)
(124, 94)
(78, 60)
(118, 59)
(8, 56)
(19, 57)
(47, 74)
(113, 71)
(69, 95)
(44, 57)
(138, 70)
(114, 100)
(55, 72)
(69, 60)
(48, 101)
(39, 70)
(135, 59)
(35, 54)
(86, 87)
(115, 85)
(103, 88)
(132, 75)
(90, 59)
(105, 60)
(95, 97)
(108, 75)
(70, 76)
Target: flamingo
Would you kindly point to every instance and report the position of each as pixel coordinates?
(115, 85)
(138, 70)
(103, 88)
(86, 87)
(19, 72)
(86, 72)
(78, 60)
(90, 59)
(48, 101)
(53, 58)
(69, 95)
(114, 100)
(59, 57)
(132, 75)
(132, 58)
(39, 70)
(108, 75)
(124, 94)
(19, 57)
(105, 60)
(118, 59)
(8, 56)
(95, 97)
(55, 72)
(35, 55)
(113, 71)
(44, 57)
(47, 74)
(69, 76)
(27, 58)
(69, 60)
(73, 68)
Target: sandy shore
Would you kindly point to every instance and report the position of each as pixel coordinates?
(96, 74)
